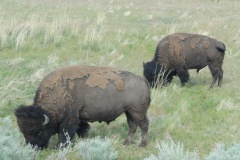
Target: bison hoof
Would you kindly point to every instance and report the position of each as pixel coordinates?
(143, 144)
(127, 142)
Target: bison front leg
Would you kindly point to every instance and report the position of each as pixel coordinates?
(66, 133)
(132, 128)
(183, 76)
(82, 131)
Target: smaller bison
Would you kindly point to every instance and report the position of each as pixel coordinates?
(69, 98)
(176, 53)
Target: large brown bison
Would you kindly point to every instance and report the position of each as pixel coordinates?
(69, 98)
(176, 53)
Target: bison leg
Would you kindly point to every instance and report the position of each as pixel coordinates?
(66, 133)
(220, 77)
(169, 75)
(183, 76)
(217, 74)
(132, 128)
(144, 128)
(215, 66)
(133, 123)
(82, 131)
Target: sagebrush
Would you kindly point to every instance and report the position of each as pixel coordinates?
(12, 144)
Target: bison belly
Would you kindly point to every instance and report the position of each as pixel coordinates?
(195, 59)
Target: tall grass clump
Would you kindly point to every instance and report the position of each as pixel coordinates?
(12, 146)
(14, 36)
(10, 87)
(94, 34)
(93, 37)
(169, 150)
(60, 29)
(38, 29)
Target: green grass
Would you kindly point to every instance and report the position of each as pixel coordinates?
(37, 37)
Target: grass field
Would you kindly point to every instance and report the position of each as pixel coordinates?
(37, 37)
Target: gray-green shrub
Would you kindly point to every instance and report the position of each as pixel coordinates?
(88, 149)
(169, 150)
(96, 149)
(12, 144)
(221, 153)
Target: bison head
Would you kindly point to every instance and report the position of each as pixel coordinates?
(151, 72)
(35, 125)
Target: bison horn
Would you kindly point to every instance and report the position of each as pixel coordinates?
(46, 121)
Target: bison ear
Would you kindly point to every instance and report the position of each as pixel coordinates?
(46, 120)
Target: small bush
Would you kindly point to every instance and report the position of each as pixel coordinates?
(220, 153)
(89, 149)
(168, 150)
(63, 152)
(12, 146)
(96, 149)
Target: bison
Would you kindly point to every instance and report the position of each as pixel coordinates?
(68, 98)
(176, 53)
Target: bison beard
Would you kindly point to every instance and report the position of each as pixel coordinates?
(176, 53)
(69, 98)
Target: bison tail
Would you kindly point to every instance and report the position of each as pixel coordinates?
(149, 88)
(198, 70)
(220, 46)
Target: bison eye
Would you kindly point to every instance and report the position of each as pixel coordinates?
(39, 133)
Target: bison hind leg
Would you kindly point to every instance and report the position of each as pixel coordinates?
(220, 77)
(83, 129)
(133, 122)
(144, 128)
(217, 74)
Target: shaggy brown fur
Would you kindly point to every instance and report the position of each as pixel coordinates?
(176, 53)
(73, 96)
